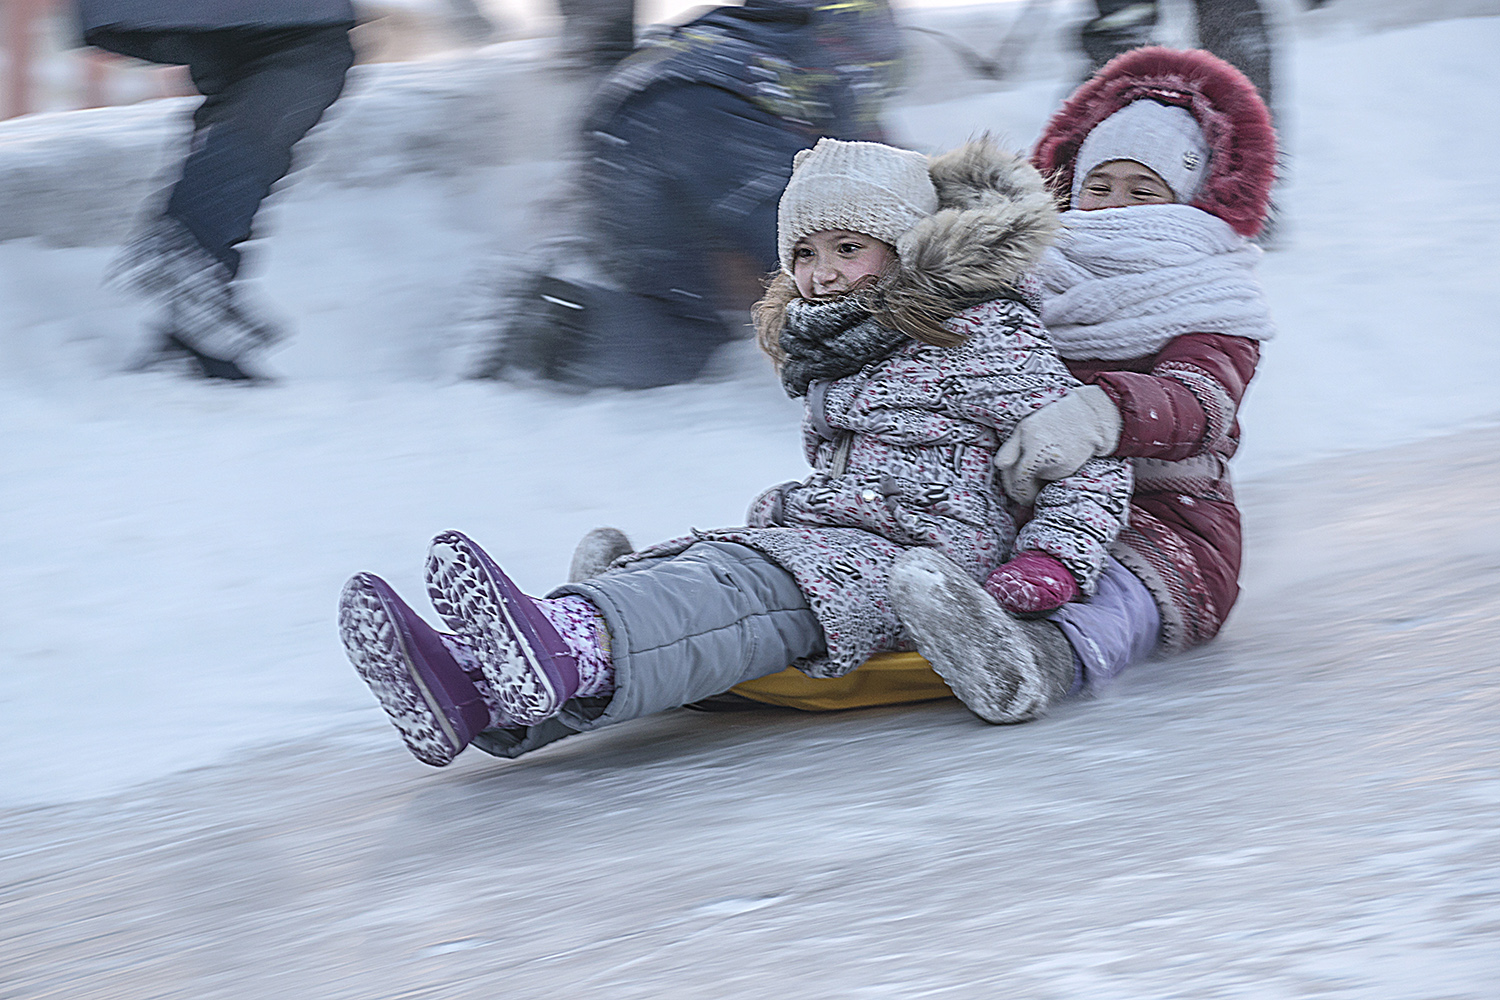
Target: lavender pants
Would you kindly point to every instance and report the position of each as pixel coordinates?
(1116, 627)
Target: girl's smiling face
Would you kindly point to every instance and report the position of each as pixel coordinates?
(1121, 184)
(834, 262)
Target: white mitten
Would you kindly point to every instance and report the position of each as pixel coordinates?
(1053, 442)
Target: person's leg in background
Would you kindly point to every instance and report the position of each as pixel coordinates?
(1122, 25)
(1233, 30)
(472, 24)
(597, 34)
(263, 91)
(1236, 31)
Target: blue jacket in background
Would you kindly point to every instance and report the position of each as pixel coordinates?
(687, 146)
(823, 67)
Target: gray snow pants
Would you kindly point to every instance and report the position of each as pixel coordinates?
(681, 629)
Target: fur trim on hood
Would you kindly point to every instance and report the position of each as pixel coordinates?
(1226, 105)
(993, 221)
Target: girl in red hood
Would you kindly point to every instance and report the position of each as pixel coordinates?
(1164, 161)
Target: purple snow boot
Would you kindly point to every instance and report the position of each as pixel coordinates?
(436, 707)
(527, 664)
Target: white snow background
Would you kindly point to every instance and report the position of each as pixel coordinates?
(171, 552)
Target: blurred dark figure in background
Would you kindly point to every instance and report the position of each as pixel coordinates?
(687, 146)
(597, 34)
(1233, 30)
(267, 69)
(471, 23)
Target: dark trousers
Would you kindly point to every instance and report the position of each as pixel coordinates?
(685, 180)
(1233, 30)
(263, 90)
(598, 32)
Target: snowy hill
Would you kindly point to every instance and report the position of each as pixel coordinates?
(172, 552)
(199, 798)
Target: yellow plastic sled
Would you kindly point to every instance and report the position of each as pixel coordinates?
(883, 679)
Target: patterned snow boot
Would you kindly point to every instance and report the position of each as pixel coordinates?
(416, 672)
(1004, 669)
(528, 665)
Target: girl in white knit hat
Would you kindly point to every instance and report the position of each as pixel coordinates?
(901, 316)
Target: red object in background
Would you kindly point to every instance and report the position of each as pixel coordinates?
(21, 17)
(95, 70)
(23, 43)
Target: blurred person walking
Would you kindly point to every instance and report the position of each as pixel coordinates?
(267, 69)
(1233, 30)
(597, 34)
(687, 146)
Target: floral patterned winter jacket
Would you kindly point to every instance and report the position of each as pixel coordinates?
(902, 449)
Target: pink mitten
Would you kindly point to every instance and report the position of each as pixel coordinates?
(1032, 582)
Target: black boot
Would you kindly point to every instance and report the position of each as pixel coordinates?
(592, 337)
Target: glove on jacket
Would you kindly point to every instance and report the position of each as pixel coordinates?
(1031, 583)
(1055, 441)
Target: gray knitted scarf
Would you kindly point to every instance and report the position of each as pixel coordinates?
(828, 340)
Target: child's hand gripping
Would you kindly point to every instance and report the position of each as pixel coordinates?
(1055, 441)
(1031, 583)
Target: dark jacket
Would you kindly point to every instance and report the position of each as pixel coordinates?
(688, 144)
(209, 15)
(821, 66)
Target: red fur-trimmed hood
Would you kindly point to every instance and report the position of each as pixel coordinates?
(1234, 120)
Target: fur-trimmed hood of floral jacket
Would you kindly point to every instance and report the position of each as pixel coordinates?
(994, 219)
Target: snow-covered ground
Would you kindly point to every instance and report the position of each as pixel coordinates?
(171, 552)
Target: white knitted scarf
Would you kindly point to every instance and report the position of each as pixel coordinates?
(1122, 282)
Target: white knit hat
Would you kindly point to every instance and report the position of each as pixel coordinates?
(864, 187)
(1165, 138)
